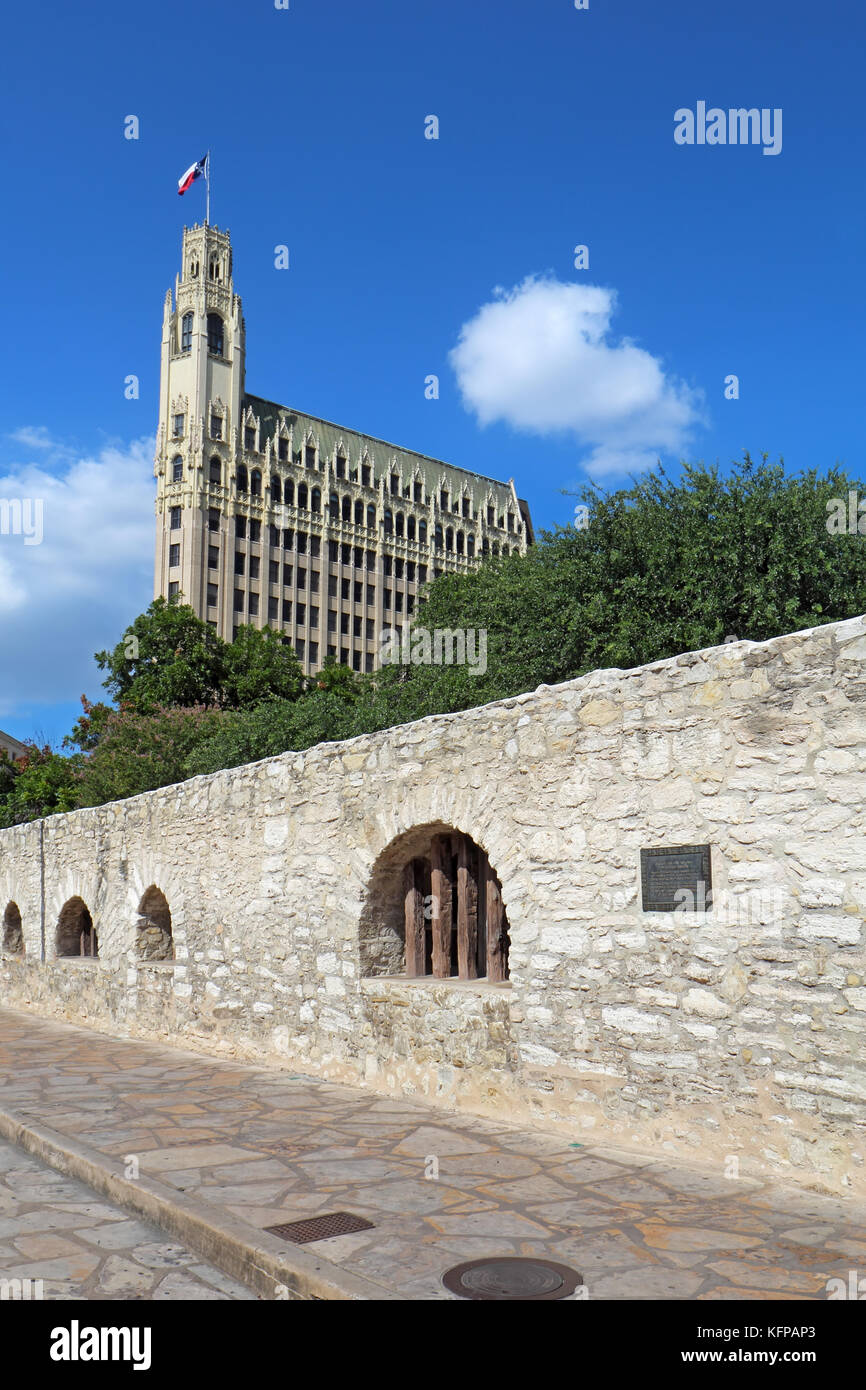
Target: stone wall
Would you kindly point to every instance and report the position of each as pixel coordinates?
(734, 1031)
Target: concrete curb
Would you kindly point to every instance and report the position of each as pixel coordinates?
(253, 1257)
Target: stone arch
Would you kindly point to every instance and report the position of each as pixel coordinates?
(434, 906)
(13, 934)
(154, 940)
(75, 934)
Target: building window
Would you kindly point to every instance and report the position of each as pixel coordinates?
(213, 519)
(370, 630)
(422, 574)
(289, 492)
(410, 528)
(177, 469)
(315, 545)
(273, 571)
(332, 586)
(212, 595)
(216, 427)
(344, 623)
(300, 650)
(316, 500)
(250, 438)
(368, 662)
(332, 620)
(344, 588)
(314, 616)
(386, 564)
(301, 545)
(240, 562)
(255, 530)
(186, 333)
(216, 471)
(287, 610)
(288, 539)
(491, 516)
(314, 653)
(254, 605)
(175, 518)
(241, 527)
(287, 575)
(273, 610)
(388, 523)
(365, 474)
(173, 556)
(215, 335)
(359, 513)
(398, 601)
(410, 571)
(254, 566)
(410, 604)
(301, 582)
(356, 627)
(341, 467)
(283, 451)
(177, 426)
(386, 598)
(256, 483)
(173, 588)
(276, 490)
(358, 590)
(213, 557)
(371, 595)
(300, 614)
(417, 492)
(310, 456)
(333, 552)
(302, 496)
(395, 485)
(243, 479)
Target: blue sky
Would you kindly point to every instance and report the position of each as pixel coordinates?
(556, 129)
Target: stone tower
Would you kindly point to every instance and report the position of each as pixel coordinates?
(200, 395)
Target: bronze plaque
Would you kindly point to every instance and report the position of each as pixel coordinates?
(676, 879)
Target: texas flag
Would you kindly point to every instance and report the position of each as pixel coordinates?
(195, 171)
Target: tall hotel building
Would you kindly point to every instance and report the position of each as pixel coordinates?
(272, 517)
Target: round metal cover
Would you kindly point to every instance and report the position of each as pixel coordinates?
(511, 1276)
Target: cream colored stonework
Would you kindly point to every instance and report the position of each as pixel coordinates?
(737, 1031)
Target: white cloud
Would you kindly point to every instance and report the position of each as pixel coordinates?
(73, 594)
(539, 357)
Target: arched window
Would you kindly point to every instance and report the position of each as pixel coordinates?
(410, 528)
(495, 547)
(13, 934)
(316, 500)
(243, 479)
(388, 522)
(153, 930)
(276, 489)
(347, 509)
(466, 932)
(334, 506)
(485, 546)
(302, 495)
(177, 469)
(422, 532)
(75, 934)
(371, 517)
(461, 541)
(215, 335)
(449, 539)
(186, 333)
(359, 513)
(470, 545)
(216, 470)
(399, 524)
(256, 483)
(289, 492)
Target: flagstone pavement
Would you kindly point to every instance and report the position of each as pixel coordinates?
(270, 1146)
(56, 1230)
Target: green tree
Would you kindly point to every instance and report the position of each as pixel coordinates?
(42, 783)
(138, 752)
(259, 665)
(167, 657)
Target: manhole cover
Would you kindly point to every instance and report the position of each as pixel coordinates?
(512, 1277)
(337, 1223)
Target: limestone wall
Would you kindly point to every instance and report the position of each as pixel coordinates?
(737, 1031)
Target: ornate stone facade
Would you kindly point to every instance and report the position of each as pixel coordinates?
(734, 1031)
(272, 517)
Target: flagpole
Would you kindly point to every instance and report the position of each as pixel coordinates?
(207, 183)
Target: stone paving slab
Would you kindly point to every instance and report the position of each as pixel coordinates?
(52, 1229)
(263, 1147)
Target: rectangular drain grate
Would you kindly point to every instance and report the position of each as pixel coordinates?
(338, 1223)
